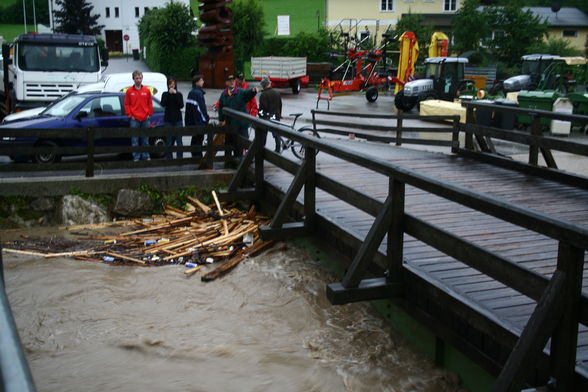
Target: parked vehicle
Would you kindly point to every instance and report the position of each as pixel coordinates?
(282, 71)
(444, 80)
(39, 68)
(533, 66)
(79, 110)
(115, 82)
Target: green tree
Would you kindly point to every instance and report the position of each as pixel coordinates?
(167, 34)
(75, 17)
(414, 23)
(470, 27)
(515, 31)
(556, 46)
(169, 27)
(248, 28)
(13, 13)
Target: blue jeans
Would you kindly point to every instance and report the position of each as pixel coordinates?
(170, 140)
(140, 140)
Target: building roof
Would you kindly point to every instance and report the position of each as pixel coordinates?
(565, 17)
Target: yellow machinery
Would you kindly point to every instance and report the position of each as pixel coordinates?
(439, 45)
(409, 52)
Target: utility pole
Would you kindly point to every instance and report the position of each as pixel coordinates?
(24, 11)
(35, 16)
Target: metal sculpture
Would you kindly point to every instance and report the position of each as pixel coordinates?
(217, 36)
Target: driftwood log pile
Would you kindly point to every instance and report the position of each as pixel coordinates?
(196, 236)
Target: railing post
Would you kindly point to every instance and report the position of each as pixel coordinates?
(395, 246)
(90, 136)
(570, 260)
(399, 130)
(310, 188)
(259, 157)
(455, 136)
(535, 131)
(469, 136)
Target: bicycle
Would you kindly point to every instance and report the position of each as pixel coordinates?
(296, 147)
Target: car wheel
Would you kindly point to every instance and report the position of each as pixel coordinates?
(157, 141)
(46, 157)
(403, 103)
(295, 84)
(371, 94)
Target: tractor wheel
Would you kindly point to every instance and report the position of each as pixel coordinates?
(371, 94)
(403, 103)
(295, 84)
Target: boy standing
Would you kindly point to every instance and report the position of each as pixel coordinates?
(196, 113)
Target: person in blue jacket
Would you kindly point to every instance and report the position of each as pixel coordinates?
(196, 113)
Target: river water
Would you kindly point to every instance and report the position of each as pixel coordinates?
(266, 326)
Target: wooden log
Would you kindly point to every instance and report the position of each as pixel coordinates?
(199, 204)
(220, 211)
(24, 252)
(68, 254)
(192, 271)
(161, 226)
(124, 257)
(227, 266)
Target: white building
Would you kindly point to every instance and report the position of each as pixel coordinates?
(120, 19)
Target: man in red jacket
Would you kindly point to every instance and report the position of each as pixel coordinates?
(139, 108)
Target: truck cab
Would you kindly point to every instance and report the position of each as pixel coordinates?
(40, 68)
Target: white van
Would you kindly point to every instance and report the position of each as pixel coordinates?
(115, 82)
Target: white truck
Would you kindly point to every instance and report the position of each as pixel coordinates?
(282, 71)
(39, 68)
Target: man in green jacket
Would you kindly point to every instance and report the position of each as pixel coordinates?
(235, 98)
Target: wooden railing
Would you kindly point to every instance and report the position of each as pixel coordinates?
(88, 145)
(561, 305)
(479, 142)
(334, 123)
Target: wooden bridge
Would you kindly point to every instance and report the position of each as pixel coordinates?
(486, 251)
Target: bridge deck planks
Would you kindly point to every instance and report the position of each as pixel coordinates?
(531, 250)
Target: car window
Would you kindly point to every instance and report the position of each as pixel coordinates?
(65, 106)
(157, 108)
(102, 107)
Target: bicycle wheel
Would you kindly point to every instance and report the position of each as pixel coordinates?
(298, 148)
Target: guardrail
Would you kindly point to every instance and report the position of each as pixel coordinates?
(15, 375)
(561, 305)
(90, 142)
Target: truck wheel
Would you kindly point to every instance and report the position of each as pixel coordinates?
(48, 157)
(403, 103)
(371, 94)
(295, 84)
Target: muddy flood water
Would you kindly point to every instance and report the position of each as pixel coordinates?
(266, 326)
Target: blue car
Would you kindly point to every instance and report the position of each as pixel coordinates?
(83, 110)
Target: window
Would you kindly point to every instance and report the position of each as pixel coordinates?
(146, 9)
(136, 12)
(450, 5)
(569, 33)
(387, 5)
(116, 13)
(108, 12)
